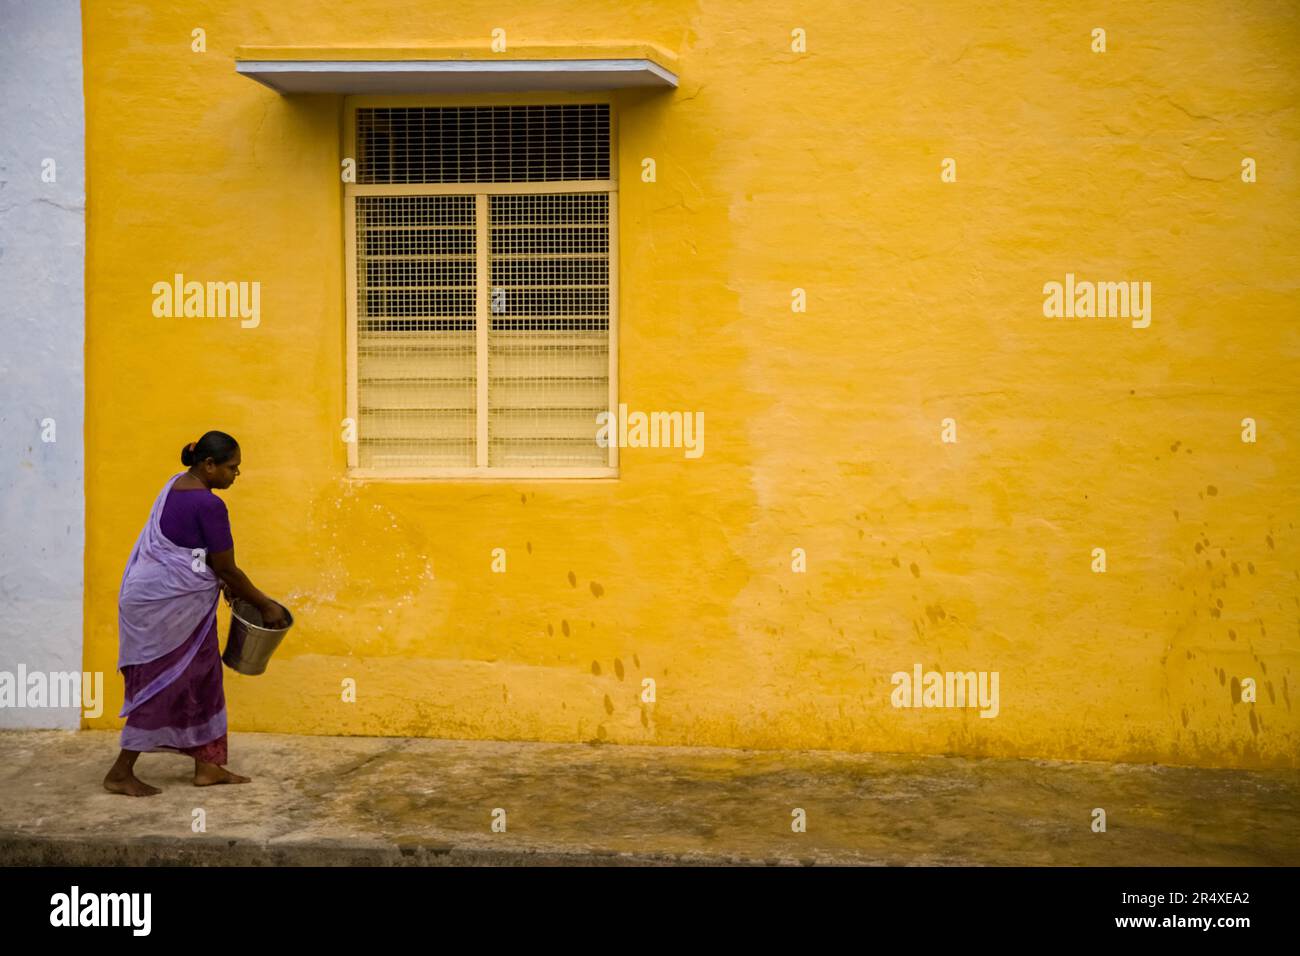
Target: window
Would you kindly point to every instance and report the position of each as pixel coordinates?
(482, 289)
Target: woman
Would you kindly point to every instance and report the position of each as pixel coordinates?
(167, 621)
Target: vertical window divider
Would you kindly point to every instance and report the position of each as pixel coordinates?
(482, 320)
(612, 274)
(350, 310)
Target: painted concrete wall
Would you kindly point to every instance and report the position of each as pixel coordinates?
(42, 325)
(777, 170)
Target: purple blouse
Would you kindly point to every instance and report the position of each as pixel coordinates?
(196, 518)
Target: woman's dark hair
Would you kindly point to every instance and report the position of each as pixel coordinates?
(218, 446)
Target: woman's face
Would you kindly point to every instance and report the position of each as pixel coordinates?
(223, 475)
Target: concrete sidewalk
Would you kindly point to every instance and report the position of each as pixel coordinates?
(404, 801)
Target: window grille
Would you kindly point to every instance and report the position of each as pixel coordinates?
(482, 268)
(483, 144)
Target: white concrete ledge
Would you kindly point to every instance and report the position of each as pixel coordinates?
(455, 76)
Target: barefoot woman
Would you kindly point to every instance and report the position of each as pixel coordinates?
(167, 621)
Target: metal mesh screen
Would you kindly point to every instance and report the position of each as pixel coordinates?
(483, 319)
(548, 342)
(483, 144)
(416, 288)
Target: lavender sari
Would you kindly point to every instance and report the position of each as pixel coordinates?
(168, 653)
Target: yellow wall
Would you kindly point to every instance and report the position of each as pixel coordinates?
(775, 171)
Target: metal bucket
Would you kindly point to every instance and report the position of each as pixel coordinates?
(249, 646)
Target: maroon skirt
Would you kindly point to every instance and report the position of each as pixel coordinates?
(187, 716)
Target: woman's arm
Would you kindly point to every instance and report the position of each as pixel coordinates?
(223, 564)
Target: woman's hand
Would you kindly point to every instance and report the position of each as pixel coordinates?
(272, 615)
(235, 584)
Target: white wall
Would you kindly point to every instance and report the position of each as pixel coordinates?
(42, 333)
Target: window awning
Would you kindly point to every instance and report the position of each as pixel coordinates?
(458, 69)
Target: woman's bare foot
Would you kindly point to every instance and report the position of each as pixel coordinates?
(209, 774)
(128, 784)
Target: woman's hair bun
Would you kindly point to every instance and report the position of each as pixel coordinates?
(218, 446)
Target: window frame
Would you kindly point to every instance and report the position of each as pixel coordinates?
(350, 193)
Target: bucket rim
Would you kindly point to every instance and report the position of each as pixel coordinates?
(247, 623)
